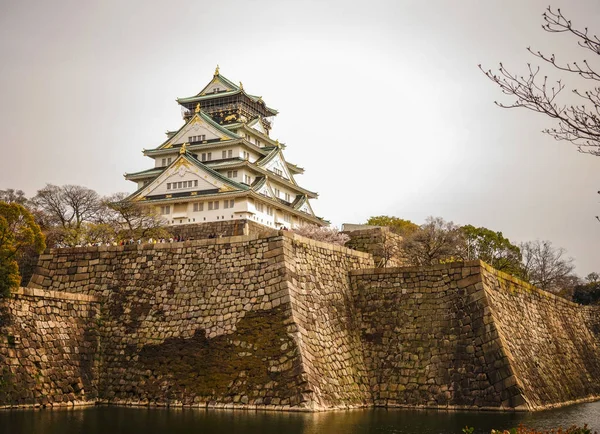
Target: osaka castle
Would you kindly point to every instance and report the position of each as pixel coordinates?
(222, 164)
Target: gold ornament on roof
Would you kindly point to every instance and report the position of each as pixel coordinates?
(217, 70)
(197, 110)
(183, 148)
(241, 86)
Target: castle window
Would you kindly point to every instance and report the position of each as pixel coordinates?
(229, 153)
(224, 154)
(164, 162)
(164, 210)
(209, 156)
(195, 183)
(260, 207)
(198, 206)
(278, 171)
(199, 138)
(169, 160)
(270, 210)
(287, 197)
(168, 185)
(247, 179)
(204, 156)
(287, 217)
(277, 192)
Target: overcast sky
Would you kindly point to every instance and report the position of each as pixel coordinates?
(380, 101)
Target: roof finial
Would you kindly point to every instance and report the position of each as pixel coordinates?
(241, 86)
(278, 144)
(183, 149)
(197, 110)
(217, 70)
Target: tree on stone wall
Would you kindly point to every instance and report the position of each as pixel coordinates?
(436, 241)
(10, 195)
(18, 231)
(547, 267)
(397, 225)
(132, 220)
(491, 247)
(65, 210)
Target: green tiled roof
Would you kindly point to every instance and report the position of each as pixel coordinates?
(208, 119)
(149, 172)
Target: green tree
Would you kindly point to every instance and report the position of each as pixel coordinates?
(491, 247)
(587, 294)
(18, 231)
(396, 225)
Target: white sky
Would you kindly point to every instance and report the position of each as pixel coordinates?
(380, 101)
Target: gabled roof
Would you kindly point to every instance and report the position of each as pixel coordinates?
(231, 89)
(218, 78)
(144, 174)
(198, 117)
(186, 159)
(276, 153)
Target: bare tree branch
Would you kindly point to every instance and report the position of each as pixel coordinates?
(578, 124)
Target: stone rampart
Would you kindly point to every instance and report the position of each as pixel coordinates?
(429, 339)
(325, 316)
(284, 322)
(468, 336)
(553, 352)
(380, 242)
(48, 349)
(209, 322)
(219, 229)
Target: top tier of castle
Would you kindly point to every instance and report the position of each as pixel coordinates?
(222, 164)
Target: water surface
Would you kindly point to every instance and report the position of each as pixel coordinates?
(122, 420)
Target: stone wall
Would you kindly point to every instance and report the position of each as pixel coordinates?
(555, 356)
(326, 319)
(464, 335)
(209, 322)
(429, 339)
(48, 349)
(225, 228)
(284, 322)
(380, 242)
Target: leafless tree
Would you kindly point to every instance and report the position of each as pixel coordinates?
(577, 123)
(132, 220)
(545, 266)
(435, 242)
(10, 195)
(68, 206)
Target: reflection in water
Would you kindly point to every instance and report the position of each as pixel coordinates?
(120, 420)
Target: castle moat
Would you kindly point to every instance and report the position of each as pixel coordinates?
(121, 420)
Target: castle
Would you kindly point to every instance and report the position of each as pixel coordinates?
(222, 165)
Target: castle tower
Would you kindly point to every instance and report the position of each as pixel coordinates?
(222, 165)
